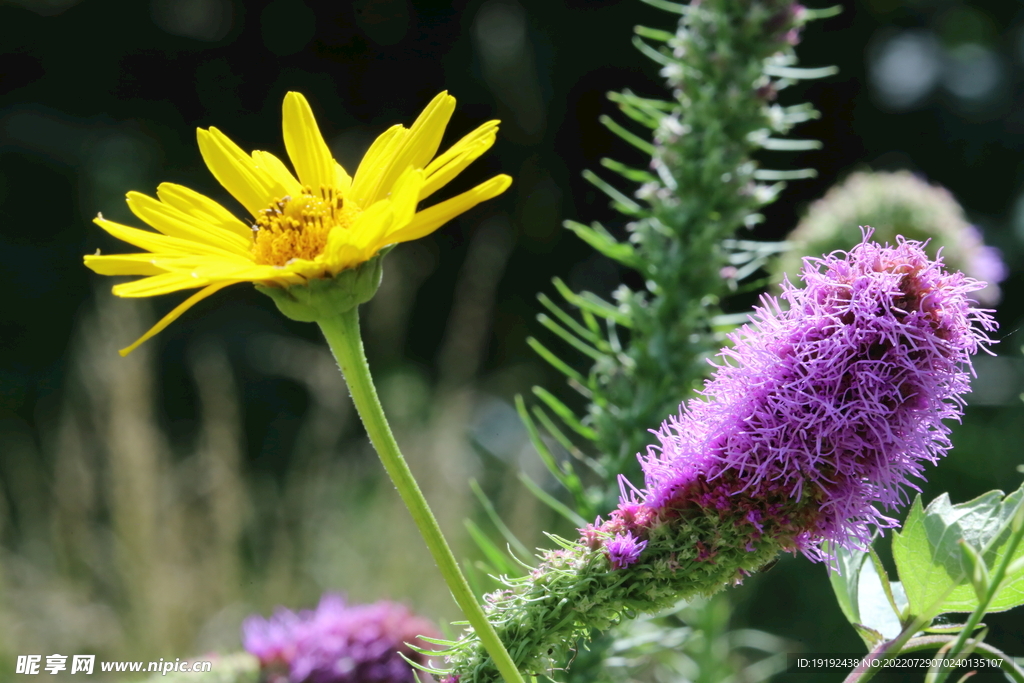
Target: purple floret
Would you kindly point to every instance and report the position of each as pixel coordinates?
(337, 643)
(822, 412)
(624, 550)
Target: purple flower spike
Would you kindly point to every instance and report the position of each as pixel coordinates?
(337, 643)
(822, 413)
(624, 550)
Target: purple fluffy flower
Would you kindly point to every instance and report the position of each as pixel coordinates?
(823, 412)
(337, 643)
(624, 550)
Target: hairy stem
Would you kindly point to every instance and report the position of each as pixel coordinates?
(342, 333)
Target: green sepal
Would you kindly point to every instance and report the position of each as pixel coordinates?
(325, 298)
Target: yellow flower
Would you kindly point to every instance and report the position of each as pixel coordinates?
(301, 229)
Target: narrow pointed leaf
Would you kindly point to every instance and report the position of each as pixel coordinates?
(588, 334)
(549, 500)
(564, 413)
(638, 142)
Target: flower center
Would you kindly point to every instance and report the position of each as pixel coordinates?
(297, 227)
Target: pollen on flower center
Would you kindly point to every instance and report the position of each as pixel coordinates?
(297, 227)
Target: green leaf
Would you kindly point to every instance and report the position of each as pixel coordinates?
(638, 142)
(800, 74)
(652, 54)
(565, 413)
(824, 13)
(788, 145)
(552, 502)
(929, 559)
(538, 443)
(498, 561)
(590, 303)
(864, 596)
(583, 332)
(768, 174)
(846, 580)
(876, 611)
(570, 338)
(603, 241)
(621, 202)
(554, 360)
(492, 514)
(653, 33)
(635, 174)
(893, 590)
(567, 444)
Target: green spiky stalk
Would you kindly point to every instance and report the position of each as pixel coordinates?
(725, 64)
(543, 616)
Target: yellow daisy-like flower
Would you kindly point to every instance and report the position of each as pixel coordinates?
(312, 227)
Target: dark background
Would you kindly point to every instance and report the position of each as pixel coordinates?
(97, 98)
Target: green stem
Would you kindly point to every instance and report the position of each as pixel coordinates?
(342, 333)
(890, 648)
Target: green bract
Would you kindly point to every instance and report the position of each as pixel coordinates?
(326, 298)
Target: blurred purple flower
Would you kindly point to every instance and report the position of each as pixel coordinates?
(823, 412)
(983, 260)
(338, 643)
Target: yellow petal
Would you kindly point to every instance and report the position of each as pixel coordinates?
(429, 220)
(405, 197)
(195, 204)
(155, 242)
(421, 144)
(367, 229)
(348, 256)
(252, 186)
(444, 168)
(123, 264)
(175, 314)
(212, 268)
(374, 164)
(155, 285)
(174, 223)
(299, 271)
(275, 167)
(485, 132)
(342, 180)
(306, 147)
(192, 273)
